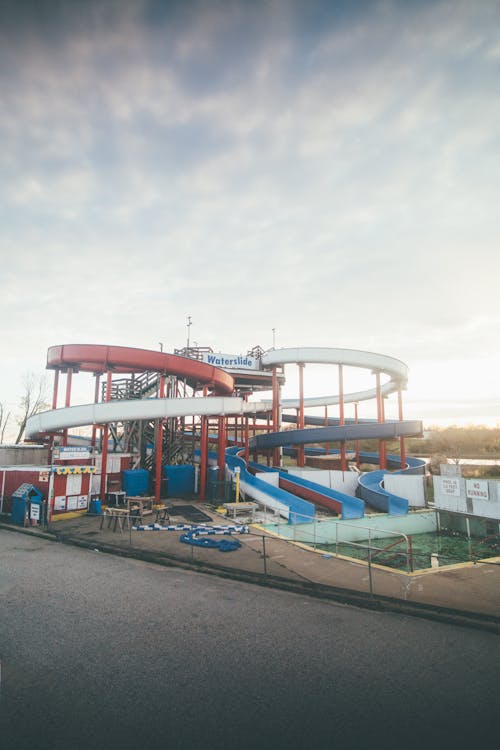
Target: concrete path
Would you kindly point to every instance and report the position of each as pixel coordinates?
(466, 587)
(100, 652)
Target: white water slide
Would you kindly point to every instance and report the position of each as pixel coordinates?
(154, 408)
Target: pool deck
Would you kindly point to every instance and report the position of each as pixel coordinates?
(460, 589)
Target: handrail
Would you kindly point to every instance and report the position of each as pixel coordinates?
(399, 534)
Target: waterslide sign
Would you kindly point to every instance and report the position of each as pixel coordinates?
(231, 361)
(477, 489)
(70, 452)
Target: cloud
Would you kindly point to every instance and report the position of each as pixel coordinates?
(328, 169)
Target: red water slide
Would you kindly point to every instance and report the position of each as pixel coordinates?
(98, 358)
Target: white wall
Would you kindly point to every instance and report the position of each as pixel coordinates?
(411, 487)
(381, 526)
(271, 477)
(460, 503)
(344, 481)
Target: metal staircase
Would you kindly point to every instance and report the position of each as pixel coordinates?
(136, 435)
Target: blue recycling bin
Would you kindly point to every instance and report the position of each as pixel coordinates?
(95, 507)
(23, 498)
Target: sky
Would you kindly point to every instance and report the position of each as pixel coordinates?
(329, 170)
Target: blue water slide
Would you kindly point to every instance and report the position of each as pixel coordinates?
(337, 433)
(294, 508)
(350, 507)
(370, 484)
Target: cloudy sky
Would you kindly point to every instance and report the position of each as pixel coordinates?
(328, 169)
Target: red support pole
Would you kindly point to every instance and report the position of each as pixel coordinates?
(67, 401)
(277, 451)
(204, 452)
(343, 462)
(357, 441)
(54, 406)
(247, 449)
(402, 450)
(159, 446)
(384, 443)
(327, 445)
(276, 460)
(96, 399)
(56, 387)
(268, 455)
(300, 420)
(380, 419)
(69, 378)
(104, 453)
(221, 454)
(275, 400)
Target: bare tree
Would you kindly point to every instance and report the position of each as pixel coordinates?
(4, 419)
(32, 400)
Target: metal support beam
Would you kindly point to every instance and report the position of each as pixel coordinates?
(104, 452)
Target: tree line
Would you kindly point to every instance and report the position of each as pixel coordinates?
(32, 401)
(472, 441)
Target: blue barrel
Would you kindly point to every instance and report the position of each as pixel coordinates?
(18, 510)
(135, 482)
(180, 479)
(95, 507)
(213, 476)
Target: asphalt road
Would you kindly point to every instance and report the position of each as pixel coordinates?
(102, 652)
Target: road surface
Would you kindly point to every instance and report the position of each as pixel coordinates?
(103, 652)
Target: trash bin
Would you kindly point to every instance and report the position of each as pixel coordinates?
(95, 507)
(27, 503)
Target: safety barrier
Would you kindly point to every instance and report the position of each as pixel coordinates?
(206, 530)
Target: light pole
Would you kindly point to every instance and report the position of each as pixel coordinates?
(188, 327)
(161, 345)
(274, 338)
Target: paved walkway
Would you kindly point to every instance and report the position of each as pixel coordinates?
(466, 587)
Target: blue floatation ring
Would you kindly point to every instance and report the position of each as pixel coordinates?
(224, 545)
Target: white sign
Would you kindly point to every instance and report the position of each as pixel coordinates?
(231, 361)
(35, 511)
(450, 470)
(82, 501)
(60, 502)
(450, 486)
(72, 502)
(69, 452)
(73, 484)
(477, 489)
(43, 476)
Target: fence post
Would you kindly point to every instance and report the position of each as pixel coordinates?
(410, 552)
(264, 554)
(370, 562)
(370, 570)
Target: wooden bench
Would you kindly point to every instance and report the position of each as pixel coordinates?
(245, 507)
(116, 517)
(139, 506)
